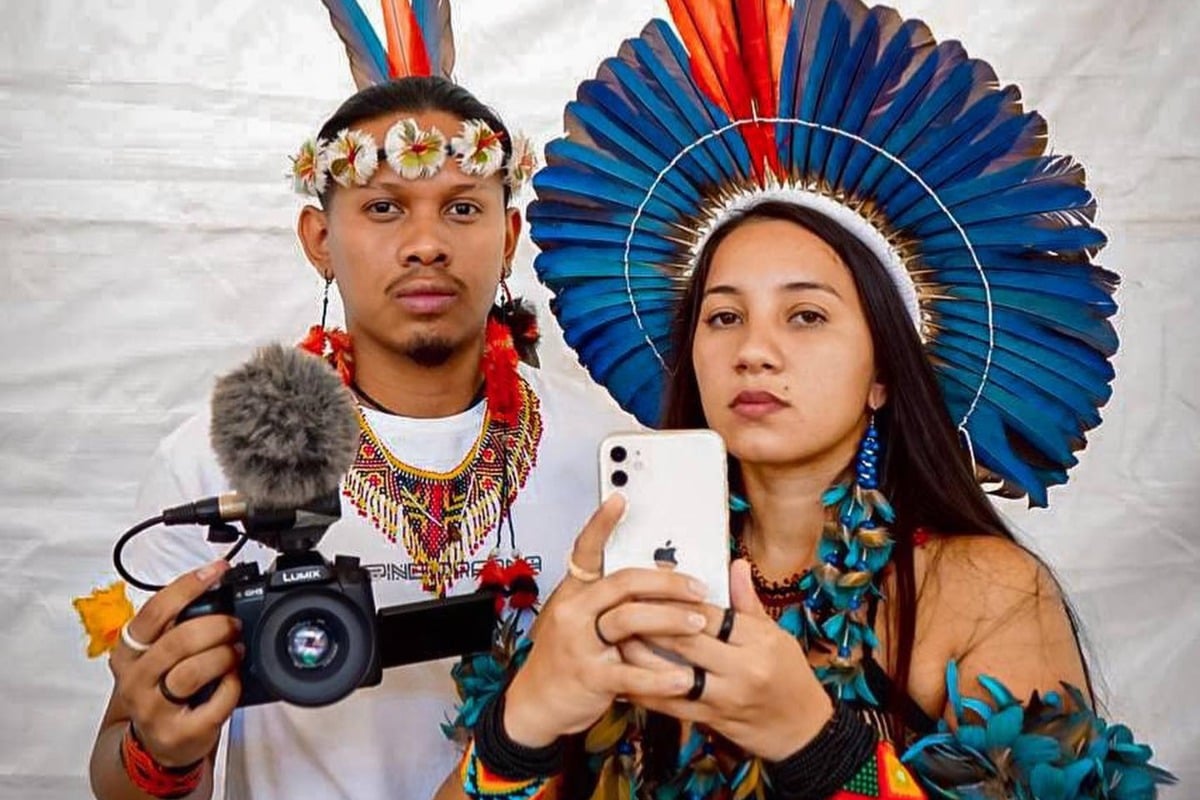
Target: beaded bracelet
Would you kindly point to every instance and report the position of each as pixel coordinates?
(153, 778)
(480, 783)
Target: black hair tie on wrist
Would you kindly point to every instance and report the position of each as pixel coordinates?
(829, 761)
(509, 759)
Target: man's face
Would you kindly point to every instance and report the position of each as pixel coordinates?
(417, 262)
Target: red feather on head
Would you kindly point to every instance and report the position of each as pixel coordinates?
(734, 67)
(407, 55)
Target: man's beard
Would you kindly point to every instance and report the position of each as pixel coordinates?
(430, 351)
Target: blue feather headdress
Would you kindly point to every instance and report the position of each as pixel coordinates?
(907, 142)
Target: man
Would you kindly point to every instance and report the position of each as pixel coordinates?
(461, 452)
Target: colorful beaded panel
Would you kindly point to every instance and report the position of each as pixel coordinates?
(882, 778)
(443, 518)
(479, 783)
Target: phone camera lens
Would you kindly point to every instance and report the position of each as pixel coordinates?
(619, 478)
(618, 454)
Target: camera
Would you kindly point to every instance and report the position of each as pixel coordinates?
(308, 624)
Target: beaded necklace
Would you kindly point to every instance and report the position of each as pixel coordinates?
(442, 518)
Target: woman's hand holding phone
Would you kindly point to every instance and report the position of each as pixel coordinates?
(759, 691)
(574, 670)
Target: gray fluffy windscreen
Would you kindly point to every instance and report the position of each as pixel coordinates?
(284, 428)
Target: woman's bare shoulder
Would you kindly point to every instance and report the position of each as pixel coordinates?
(982, 571)
(996, 608)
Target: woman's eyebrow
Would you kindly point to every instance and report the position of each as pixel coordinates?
(791, 286)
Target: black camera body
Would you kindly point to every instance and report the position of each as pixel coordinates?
(308, 627)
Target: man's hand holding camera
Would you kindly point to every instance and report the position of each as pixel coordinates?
(159, 665)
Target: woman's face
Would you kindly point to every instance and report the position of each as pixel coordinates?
(782, 352)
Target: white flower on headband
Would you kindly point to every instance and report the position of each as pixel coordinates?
(414, 152)
(478, 148)
(308, 169)
(352, 157)
(522, 163)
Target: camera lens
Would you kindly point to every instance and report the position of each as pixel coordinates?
(309, 645)
(313, 648)
(618, 454)
(619, 478)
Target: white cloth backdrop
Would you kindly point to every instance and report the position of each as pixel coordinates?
(146, 244)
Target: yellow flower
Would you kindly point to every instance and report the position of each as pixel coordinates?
(103, 613)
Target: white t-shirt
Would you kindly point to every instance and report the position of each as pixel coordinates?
(384, 741)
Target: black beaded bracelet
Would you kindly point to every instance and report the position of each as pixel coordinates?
(509, 759)
(828, 762)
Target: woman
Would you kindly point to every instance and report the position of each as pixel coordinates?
(883, 289)
(795, 348)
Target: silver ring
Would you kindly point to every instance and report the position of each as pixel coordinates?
(579, 573)
(130, 642)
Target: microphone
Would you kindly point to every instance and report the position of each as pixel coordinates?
(284, 430)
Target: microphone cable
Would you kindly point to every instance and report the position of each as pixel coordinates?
(144, 525)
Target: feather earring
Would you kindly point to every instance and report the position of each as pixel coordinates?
(854, 547)
(331, 344)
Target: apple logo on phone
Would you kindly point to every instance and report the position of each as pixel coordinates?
(664, 557)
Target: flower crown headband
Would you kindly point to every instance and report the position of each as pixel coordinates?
(352, 157)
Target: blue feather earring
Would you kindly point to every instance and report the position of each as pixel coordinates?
(855, 546)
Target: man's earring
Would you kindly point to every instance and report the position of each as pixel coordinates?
(332, 345)
(325, 300)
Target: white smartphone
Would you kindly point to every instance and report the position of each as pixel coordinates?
(677, 504)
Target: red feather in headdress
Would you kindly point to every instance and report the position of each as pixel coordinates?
(407, 55)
